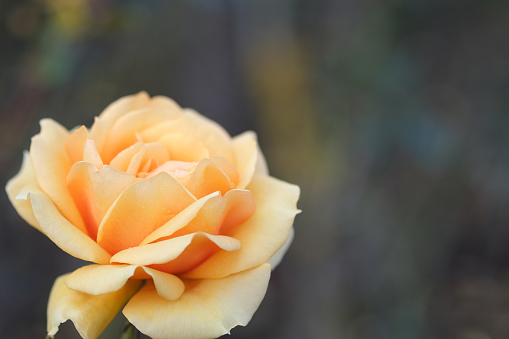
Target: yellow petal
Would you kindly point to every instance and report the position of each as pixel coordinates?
(245, 149)
(103, 279)
(262, 235)
(18, 188)
(94, 191)
(212, 214)
(99, 132)
(140, 209)
(52, 164)
(261, 163)
(122, 160)
(124, 105)
(208, 178)
(207, 309)
(184, 147)
(124, 132)
(76, 143)
(63, 233)
(178, 255)
(90, 314)
(168, 250)
(91, 154)
(210, 133)
(179, 221)
(102, 124)
(276, 258)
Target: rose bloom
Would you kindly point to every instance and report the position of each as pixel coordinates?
(182, 222)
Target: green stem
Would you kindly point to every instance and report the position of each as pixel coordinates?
(130, 332)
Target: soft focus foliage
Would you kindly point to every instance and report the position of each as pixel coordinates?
(400, 113)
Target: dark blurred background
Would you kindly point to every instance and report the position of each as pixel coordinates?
(391, 115)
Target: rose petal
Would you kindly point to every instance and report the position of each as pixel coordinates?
(262, 235)
(131, 159)
(90, 314)
(210, 133)
(124, 132)
(76, 143)
(261, 163)
(168, 250)
(94, 191)
(179, 221)
(91, 154)
(124, 105)
(18, 188)
(276, 258)
(207, 309)
(51, 164)
(140, 209)
(122, 160)
(208, 178)
(213, 214)
(63, 233)
(184, 147)
(103, 279)
(245, 149)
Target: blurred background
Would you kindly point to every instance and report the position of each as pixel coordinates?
(391, 115)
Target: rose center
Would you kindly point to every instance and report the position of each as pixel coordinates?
(177, 169)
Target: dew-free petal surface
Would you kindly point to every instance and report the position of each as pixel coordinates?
(179, 221)
(124, 131)
(245, 149)
(63, 233)
(90, 314)
(184, 147)
(124, 105)
(94, 191)
(167, 250)
(18, 188)
(52, 164)
(206, 309)
(210, 133)
(75, 144)
(208, 178)
(91, 154)
(276, 258)
(103, 279)
(140, 209)
(262, 235)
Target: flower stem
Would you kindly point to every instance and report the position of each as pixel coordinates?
(130, 332)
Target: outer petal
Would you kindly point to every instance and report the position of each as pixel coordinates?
(90, 314)
(18, 188)
(103, 279)
(140, 209)
(124, 105)
(276, 258)
(262, 235)
(168, 250)
(63, 233)
(207, 309)
(51, 164)
(245, 149)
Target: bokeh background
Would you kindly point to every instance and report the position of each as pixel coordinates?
(391, 115)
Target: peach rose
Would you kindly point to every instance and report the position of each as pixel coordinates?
(182, 222)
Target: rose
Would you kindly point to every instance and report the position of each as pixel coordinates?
(158, 194)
